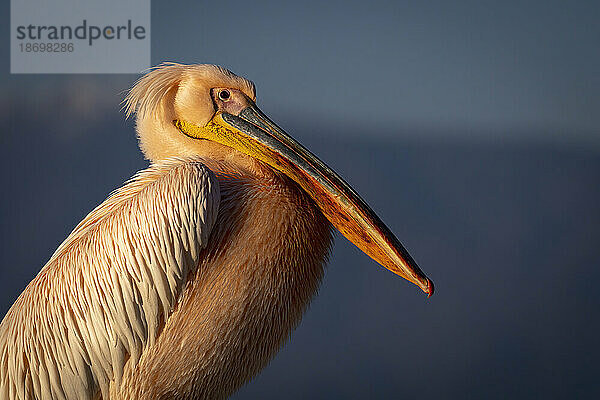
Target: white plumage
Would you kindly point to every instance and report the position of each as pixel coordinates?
(101, 297)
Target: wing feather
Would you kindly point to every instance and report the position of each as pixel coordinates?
(99, 301)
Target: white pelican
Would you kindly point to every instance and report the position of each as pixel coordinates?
(186, 281)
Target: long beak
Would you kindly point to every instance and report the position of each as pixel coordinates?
(253, 133)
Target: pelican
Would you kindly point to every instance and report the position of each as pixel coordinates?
(187, 280)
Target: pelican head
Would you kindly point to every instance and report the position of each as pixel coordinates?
(205, 110)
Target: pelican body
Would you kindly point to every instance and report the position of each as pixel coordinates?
(185, 282)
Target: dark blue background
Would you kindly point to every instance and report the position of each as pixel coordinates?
(470, 127)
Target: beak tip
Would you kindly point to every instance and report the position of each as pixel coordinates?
(428, 288)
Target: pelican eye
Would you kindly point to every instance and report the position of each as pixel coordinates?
(224, 95)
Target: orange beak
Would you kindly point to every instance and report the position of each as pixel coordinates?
(253, 133)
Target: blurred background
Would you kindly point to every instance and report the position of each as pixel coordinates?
(471, 127)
